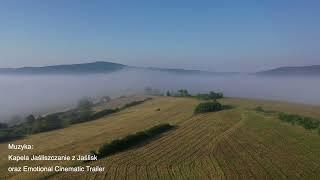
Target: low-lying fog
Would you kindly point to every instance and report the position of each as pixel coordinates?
(20, 95)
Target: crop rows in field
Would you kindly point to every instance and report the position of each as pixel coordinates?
(206, 147)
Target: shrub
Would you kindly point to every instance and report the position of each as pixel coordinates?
(208, 107)
(119, 145)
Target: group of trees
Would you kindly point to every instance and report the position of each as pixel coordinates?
(119, 145)
(32, 125)
(179, 93)
(210, 96)
(205, 96)
(208, 107)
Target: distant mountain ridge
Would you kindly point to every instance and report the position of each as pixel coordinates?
(313, 70)
(85, 68)
(109, 67)
(97, 67)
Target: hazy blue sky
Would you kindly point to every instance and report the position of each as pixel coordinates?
(209, 35)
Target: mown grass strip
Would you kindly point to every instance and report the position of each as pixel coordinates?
(131, 140)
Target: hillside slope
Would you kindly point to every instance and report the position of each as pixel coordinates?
(235, 143)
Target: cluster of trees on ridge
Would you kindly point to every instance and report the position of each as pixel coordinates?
(202, 96)
(294, 119)
(33, 125)
(131, 140)
(211, 106)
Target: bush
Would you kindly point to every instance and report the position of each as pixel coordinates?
(208, 107)
(119, 145)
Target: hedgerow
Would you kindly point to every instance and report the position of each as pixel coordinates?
(131, 140)
(57, 120)
(306, 122)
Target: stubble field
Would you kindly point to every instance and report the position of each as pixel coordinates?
(237, 143)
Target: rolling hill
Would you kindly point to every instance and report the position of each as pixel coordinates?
(238, 143)
(292, 71)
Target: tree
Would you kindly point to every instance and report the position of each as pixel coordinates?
(36, 125)
(3, 125)
(183, 93)
(208, 107)
(85, 104)
(16, 119)
(51, 122)
(30, 119)
(168, 93)
(214, 95)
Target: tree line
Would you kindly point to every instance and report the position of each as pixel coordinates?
(33, 125)
(294, 119)
(202, 96)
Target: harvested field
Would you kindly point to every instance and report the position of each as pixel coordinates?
(237, 143)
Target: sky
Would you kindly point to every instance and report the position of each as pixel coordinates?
(241, 36)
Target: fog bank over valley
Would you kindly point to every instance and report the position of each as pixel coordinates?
(26, 94)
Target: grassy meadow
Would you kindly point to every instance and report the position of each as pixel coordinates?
(236, 143)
